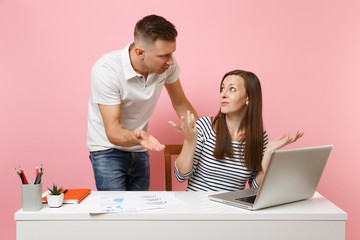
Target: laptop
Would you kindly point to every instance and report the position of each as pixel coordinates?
(292, 175)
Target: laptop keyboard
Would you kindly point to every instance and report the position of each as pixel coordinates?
(250, 199)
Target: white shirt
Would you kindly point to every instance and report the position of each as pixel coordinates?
(113, 82)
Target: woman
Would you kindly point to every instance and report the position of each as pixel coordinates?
(214, 155)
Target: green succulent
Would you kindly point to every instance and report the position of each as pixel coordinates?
(55, 190)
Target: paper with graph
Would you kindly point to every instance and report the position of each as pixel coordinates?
(133, 202)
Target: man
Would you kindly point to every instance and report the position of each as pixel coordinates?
(125, 86)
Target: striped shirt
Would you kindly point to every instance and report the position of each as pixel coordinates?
(210, 174)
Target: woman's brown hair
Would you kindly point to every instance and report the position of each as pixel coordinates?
(252, 124)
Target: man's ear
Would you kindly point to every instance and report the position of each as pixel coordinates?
(139, 51)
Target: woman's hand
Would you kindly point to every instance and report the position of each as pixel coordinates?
(276, 144)
(184, 162)
(283, 141)
(187, 128)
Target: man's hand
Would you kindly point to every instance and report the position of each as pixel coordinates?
(148, 141)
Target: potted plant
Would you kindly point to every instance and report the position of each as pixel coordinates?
(56, 197)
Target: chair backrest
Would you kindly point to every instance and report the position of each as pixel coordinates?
(170, 149)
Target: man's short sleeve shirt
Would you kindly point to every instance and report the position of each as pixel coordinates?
(113, 82)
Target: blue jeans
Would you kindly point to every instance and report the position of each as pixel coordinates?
(117, 170)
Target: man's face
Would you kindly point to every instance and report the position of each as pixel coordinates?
(158, 57)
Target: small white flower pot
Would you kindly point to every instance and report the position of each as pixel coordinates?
(55, 201)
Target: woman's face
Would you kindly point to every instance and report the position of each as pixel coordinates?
(233, 98)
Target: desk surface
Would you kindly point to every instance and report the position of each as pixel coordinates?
(312, 219)
(197, 207)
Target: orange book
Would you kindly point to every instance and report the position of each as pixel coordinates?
(73, 195)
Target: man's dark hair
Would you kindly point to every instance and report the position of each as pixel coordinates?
(154, 27)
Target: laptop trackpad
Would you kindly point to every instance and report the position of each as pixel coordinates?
(249, 199)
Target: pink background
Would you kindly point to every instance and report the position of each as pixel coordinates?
(306, 54)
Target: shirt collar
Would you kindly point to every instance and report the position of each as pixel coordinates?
(129, 71)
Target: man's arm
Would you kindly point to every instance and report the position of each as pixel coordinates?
(120, 136)
(178, 99)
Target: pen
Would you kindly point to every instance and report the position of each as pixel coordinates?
(23, 174)
(21, 178)
(17, 172)
(38, 175)
(38, 179)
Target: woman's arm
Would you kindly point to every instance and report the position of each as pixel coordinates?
(184, 162)
(276, 144)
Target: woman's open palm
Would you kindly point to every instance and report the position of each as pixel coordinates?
(283, 141)
(188, 127)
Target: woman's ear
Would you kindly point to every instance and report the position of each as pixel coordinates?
(247, 101)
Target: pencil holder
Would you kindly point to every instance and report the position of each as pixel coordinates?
(31, 197)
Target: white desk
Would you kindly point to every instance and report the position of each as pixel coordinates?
(315, 218)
